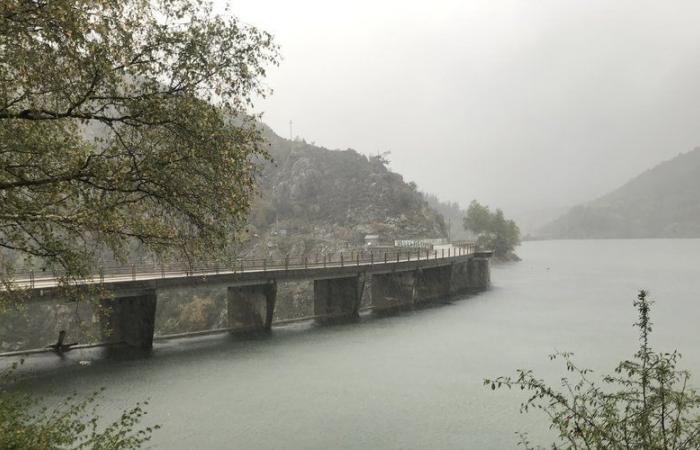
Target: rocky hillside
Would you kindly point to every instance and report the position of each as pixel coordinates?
(315, 199)
(663, 202)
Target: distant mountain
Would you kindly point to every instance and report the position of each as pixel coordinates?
(663, 202)
(531, 220)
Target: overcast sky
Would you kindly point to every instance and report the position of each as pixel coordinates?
(524, 105)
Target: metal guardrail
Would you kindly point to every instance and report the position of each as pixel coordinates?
(133, 272)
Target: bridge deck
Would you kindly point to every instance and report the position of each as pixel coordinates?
(252, 271)
(126, 301)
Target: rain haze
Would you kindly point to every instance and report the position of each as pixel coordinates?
(446, 196)
(527, 106)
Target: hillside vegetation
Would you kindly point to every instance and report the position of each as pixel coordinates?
(315, 199)
(663, 202)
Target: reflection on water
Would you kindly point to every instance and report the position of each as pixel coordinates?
(411, 380)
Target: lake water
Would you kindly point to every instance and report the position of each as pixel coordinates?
(410, 381)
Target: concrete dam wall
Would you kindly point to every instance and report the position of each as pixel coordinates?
(136, 312)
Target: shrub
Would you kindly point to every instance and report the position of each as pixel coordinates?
(26, 424)
(646, 404)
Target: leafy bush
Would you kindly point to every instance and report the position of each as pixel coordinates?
(73, 424)
(646, 404)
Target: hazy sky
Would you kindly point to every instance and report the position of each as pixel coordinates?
(521, 104)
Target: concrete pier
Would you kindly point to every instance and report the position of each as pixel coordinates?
(129, 320)
(338, 298)
(251, 307)
(479, 273)
(459, 278)
(394, 290)
(432, 283)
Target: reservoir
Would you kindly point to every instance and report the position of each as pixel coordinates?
(411, 380)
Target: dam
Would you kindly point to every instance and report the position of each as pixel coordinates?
(127, 298)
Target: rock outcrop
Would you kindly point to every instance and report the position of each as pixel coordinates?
(313, 199)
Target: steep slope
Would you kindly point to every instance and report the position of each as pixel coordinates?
(662, 202)
(312, 199)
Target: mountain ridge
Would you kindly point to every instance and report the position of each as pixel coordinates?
(661, 202)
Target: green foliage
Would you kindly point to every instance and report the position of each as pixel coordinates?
(26, 424)
(125, 120)
(493, 230)
(478, 219)
(121, 121)
(646, 404)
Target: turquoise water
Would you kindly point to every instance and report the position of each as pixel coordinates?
(410, 381)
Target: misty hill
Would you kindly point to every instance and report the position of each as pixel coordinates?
(312, 199)
(453, 215)
(661, 202)
(530, 221)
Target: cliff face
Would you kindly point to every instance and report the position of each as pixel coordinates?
(312, 198)
(663, 202)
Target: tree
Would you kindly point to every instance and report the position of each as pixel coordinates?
(646, 404)
(125, 120)
(478, 219)
(120, 121)
(493, 230)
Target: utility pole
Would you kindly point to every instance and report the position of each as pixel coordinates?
(291, 138)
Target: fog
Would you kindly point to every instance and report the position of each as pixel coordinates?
(527, 106)
(323, 301)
